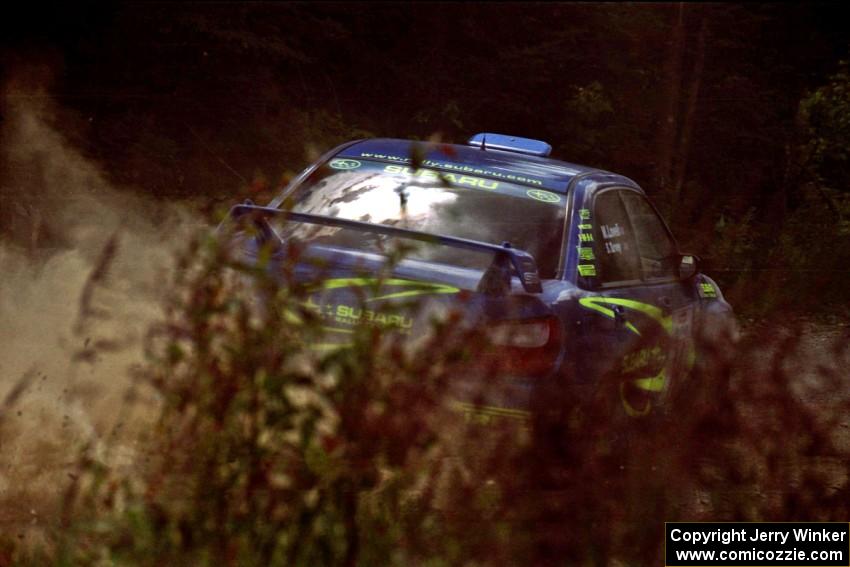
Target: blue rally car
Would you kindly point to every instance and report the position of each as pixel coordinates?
(571, 270)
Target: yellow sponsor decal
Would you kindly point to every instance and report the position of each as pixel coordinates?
(707, 290)
(347, 314)
(643, 358)
(654, 384)
(545, 196)
(599, 304)
(487, 415)
(457, 167)
(456, 179)
(345, 164)
(640, 360)
(351, 315)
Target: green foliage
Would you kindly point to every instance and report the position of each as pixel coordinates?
(268, 451)
(735, 242)
(592, 109)
(825, 117)
(195, 100)
(790, 257)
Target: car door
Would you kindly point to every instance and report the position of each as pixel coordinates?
(638, 310)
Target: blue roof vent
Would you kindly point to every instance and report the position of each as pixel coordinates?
(503, 143)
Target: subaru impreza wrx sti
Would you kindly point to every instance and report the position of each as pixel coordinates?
(571, 269)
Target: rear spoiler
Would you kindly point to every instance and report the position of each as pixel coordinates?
(523, 263)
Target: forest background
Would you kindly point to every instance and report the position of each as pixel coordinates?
(734, 117)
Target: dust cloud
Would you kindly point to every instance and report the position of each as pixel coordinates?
(82, 265)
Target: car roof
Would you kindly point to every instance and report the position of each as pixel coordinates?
(544, 172)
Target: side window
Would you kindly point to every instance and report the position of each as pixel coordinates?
(656, 249)
(616, 254)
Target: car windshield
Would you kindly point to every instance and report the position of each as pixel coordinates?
(451, 204)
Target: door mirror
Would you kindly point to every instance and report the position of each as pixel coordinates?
(688, 266)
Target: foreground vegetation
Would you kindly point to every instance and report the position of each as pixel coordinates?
(267, 452)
